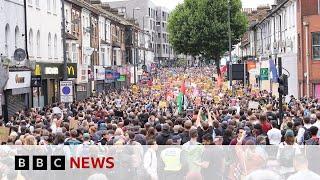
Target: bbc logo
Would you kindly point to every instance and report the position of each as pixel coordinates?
(40, 163)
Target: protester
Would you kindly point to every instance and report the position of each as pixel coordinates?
(152, 116)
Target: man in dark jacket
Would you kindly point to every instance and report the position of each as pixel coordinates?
(162, 138)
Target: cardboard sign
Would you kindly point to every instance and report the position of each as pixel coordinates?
(73, 124)
(216, 99)
(4, 134)
(253, 105)
(240, 93)
(162, 104)
(135, 89)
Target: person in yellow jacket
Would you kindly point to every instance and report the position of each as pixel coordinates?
(171, 157)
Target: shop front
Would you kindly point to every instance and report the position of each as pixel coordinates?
(45, 84)
(109, 80)
(16, 91)
(82, 88)
(99, 77)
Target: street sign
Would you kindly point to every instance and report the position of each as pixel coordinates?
(36, 81)
(264, 73)
(66, 91)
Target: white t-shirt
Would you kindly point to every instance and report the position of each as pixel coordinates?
(306, 174)
(274, 136)
(118, 103)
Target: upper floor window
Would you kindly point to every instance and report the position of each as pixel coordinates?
(49, 46)
(17, 37)
(55, 41)
(54, 6)
(31, 42)
(38, 3)
(6, 42)
(30, 2)
(316, 45)
(49, 5)
(38, 44)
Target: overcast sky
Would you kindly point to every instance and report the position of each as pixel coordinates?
(170, 4)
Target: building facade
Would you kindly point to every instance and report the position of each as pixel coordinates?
(45, 49)
(308, 26)
(15, 76)
(271, 37)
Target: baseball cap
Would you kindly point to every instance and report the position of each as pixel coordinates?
(86, 136)
(289, 133)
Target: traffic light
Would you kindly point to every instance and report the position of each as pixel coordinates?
(283, 84)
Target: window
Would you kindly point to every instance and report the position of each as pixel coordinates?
(318, 6)
(6, 45)
(55, 46)
(38, 44)
(74, 53)
(16, 37)
(114, 53)
(316, 45)
(103, 56)
(54, 4)
(38, 4)
(30, 42)
(49, 5)
(30, 2)
(49, 46)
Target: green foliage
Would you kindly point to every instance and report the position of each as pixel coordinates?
(200, 27)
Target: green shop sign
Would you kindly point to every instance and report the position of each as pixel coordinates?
(122, 78)
(264, 74)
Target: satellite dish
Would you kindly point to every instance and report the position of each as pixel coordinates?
(19, 55)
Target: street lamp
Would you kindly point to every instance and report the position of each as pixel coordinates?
(135, 49)
(230, 45)
(144, 40)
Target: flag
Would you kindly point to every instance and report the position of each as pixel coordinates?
(180, 98)
(273, 70)
(223, 69)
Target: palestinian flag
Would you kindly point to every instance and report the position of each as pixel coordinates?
(180, 98)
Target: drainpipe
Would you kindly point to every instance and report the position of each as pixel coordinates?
(25, 28)
(306, 25)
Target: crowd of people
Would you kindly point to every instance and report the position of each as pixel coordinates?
(211, 115)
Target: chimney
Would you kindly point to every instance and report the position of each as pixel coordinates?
(95, 1)
(105, 6)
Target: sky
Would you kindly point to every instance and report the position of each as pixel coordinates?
(170, 4)
(245, 3)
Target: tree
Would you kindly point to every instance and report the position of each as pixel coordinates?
(200, 27)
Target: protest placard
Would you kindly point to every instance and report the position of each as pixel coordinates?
(4, 134)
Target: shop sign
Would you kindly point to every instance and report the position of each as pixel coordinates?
(36, 81)
(51, 70)
(72, 70)
(99, 73)
(116, 75)
(18, 79)
(251, 65)
(82, 74)
(264, 73)
(48, 70)
(109, 78)
(122, 78)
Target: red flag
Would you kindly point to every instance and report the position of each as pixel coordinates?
(183, 88)
(223, 69)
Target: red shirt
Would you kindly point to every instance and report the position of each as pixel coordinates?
(266, 127)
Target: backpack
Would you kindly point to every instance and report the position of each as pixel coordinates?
(306, 135)
(312, 141)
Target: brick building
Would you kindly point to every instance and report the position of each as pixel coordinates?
(308, 26)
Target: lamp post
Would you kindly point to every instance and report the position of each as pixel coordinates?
(230, 45)
(144, 40)
(134, 47)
